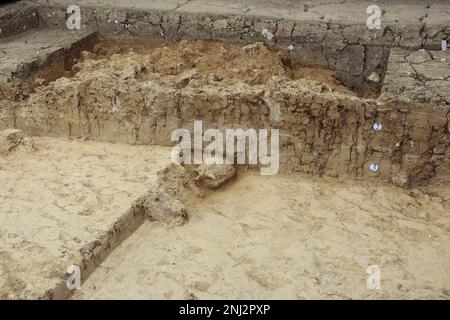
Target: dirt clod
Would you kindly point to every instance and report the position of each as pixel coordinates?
(15, 139)
(160, 206)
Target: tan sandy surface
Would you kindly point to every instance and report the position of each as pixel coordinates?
(291, 237)
(59, 198)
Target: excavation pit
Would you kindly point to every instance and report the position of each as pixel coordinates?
(104, 121)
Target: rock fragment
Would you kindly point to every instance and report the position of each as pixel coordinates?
(213, 176)
(374, 77)
(401, 179)
(160, 206)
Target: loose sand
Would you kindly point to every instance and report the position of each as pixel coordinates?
(291, 237)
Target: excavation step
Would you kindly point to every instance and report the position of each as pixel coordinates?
(30, 51)
(66, 202)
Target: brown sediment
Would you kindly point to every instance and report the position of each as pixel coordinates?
(140, 96)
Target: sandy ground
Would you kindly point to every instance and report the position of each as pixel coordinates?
(292, 237)
(59, 198)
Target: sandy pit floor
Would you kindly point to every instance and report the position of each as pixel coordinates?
(292, 237)
(59, 198)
